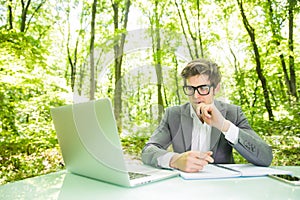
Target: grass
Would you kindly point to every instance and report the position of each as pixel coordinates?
(38, 160)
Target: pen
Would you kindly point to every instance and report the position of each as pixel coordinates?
(228, 168)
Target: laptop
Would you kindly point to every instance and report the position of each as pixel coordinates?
(91, 147)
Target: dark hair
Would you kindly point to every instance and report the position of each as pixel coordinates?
(202, 66)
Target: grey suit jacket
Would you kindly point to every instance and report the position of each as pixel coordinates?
(176, 129)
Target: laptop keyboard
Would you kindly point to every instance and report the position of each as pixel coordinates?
(134, 175)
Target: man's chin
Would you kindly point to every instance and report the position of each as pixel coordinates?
(195, 105)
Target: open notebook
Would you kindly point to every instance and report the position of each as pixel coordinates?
(213, 171)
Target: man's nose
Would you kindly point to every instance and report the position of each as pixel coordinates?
(196, 94)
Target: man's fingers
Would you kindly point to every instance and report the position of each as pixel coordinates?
(204, 110)
(207, 114)
(201, 162)
(209, 159)
(192, 161)
(206, 156)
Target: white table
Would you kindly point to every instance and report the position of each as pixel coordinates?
(63, 185)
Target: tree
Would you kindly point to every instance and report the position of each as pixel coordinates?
(10, 15)
(257, 58)
(157, 53)
(33, 63)
(185, 22)
(72, 57)
(293, 86)
(120, 25)
(276, 20)
(25, 8)
(92, 78)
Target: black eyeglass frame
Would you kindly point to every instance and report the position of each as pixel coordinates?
(196, 88)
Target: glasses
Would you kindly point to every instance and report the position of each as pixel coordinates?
(201, 89)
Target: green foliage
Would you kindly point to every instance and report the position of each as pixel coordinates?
(28, 144)
(284, 137)
(28, 157)
(15, 45)
(32, 78)
(133, 145)
(283, 133)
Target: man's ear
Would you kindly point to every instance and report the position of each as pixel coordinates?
(217, 89)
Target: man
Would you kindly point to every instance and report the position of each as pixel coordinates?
(204, 130)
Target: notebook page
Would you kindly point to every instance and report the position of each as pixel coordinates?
(210, 171)
(252, 170)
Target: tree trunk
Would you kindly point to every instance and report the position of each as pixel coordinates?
(73, 68)
(193, 37)
(158, 60)
(196, 36)
(275, 28)
(25, 7)
(32, 15)
(259, 70)
(293, 90)
(92, 62)
(24, 14)
(72, 61)
(118, 53)
(82, 70)
(240, 80)
(10, 15)
(199, 30)
(176, 80)
(184, 32)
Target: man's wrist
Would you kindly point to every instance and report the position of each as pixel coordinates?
(164, 160)
(232, 134)
(225, 126)
(173, 161)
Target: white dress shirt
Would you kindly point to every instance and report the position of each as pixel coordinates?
(201, 135)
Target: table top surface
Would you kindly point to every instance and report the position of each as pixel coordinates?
(64, 185)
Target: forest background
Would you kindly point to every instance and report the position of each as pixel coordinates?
(58, 52)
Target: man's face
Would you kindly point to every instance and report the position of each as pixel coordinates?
(197, 98)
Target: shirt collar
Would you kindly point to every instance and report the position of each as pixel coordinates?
(192, 111)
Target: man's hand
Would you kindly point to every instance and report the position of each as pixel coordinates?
(212, 116)
(191, 161)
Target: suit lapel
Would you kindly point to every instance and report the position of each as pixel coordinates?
(187, 127)
(214, 137)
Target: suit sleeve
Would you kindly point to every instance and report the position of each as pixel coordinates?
(252, 147)
(158, 143)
